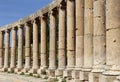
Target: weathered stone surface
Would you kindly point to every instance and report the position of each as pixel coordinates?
(7, 45)
(70, 34)
(88, 34)
(13, 49)
(113, 32)
(52, 52)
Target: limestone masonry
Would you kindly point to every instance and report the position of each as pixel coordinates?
(67, 41)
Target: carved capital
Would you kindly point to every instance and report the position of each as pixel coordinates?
(27, 24)
(7, 31)
(62, 5)
(44, 16)
(34, 21)
(20, 26)
(14, 28)
(53, 11)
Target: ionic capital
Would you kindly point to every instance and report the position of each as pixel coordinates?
(14, 28)
(7, 31)
(34, 21)
(53, 12)
(44, 16)
(62, 5)
(20, 26)
(27, 24)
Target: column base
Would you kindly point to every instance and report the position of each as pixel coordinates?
(94, 77)
(59, 72)
(4, 69)
(32, 71)
(98, 69)
(41, 71)
(84, 76)
(50, 72)
(75, 74)
(67, 73)
(25, 70)
(11, 70)
(104, 78)
(18, 70)
(111, 73)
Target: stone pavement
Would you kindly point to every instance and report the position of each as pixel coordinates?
(7, 77)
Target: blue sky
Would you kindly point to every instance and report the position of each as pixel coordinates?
(12, 10)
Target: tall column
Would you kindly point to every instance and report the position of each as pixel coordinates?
(43, 56)
(1, 49)
(61, 38)
(7, 45)
(113, 34)
(79, 33)
(13, 49)
(52, 52)
(70, 37)
(35, 47)
(43, 42)
(79, 38)
(20, 48)
(70, 33)
(99, 36)
(88, 35)
(27, 47)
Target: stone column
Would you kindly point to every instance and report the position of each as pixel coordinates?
(52, 52)
(79, 38)
(27, 47)
(99, 36)
(35, 47)
(7, 46)
(79, 33)
(70, 33)
(61, 37)
(1, 49)
(70, 37)
(62, 42)
(88, 35)
(113, 35)
(88, 40)
(20, 48)
(43, 44)
(13, 49)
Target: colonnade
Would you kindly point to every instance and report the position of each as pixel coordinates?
(77, 39)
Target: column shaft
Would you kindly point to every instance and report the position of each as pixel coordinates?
(27, 46)
(99, 34)
(61, 37)
(1, 49)
(79, 33)
(52, 53)
(113, 33)
(88, 34)
(70, 33)
(43, 42)
(13, 49)
(20, 47)
(7, 45)
(35, 45)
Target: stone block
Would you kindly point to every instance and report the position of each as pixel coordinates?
(58, 72)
